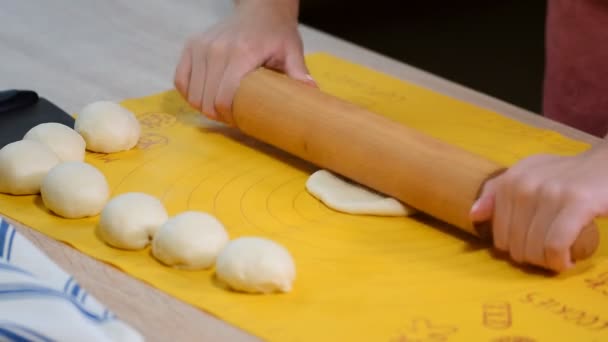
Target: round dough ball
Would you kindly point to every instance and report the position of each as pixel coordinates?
(256, 265)
(190, 240)
(75, 190)
(108, 127)
(23, 165)
(130, 220)
(67, 144)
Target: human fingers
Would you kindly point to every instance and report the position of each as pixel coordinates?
(196, 83)
(216, 60)
(181, 79)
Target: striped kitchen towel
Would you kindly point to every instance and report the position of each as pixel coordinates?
(39, 301)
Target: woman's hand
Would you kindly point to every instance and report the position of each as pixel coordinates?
(539, 206)
(258, 33)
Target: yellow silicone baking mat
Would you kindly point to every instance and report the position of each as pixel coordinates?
(358, 278)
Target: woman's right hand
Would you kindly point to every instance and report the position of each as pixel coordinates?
(258, 33)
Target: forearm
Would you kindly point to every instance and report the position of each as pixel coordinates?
(287, 7)
(600, 146)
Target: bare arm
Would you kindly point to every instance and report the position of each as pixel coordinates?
(289, 6)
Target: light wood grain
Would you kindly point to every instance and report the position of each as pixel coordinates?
(74, 52)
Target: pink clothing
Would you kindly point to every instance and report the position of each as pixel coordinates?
(576, 74)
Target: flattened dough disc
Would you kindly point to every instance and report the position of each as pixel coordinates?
(342, 195)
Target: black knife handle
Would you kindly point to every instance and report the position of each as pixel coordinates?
(16, 99)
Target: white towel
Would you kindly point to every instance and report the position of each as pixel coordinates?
(39, 301)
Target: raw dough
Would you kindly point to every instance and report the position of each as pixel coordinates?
(108, 127)
(352, 198)
(75, 190)
(130, 220)
(256, 265)
(67, 144)
(190, 240)
(23, 165)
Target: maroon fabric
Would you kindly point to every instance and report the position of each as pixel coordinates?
(576, 73)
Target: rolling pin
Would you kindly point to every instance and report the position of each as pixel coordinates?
(432, 176)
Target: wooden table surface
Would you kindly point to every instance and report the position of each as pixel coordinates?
(74, 52)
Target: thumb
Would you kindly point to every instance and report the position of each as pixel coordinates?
(483, 208)
(295, 66)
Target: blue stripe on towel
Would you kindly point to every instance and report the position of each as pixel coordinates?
(17, 333)
(24, 290)
(66, 287)
(11, 336)
(75, 290)
(12, 268)
(3, 231)
(10, 244)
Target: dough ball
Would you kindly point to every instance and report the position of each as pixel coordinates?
(256, 265)
(75, 190)
(190, 240)
(108, 127)
(23, 165)
(67, 144)
(130, 220)
(351, 198)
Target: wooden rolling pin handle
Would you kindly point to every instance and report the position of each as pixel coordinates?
(585, 245)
